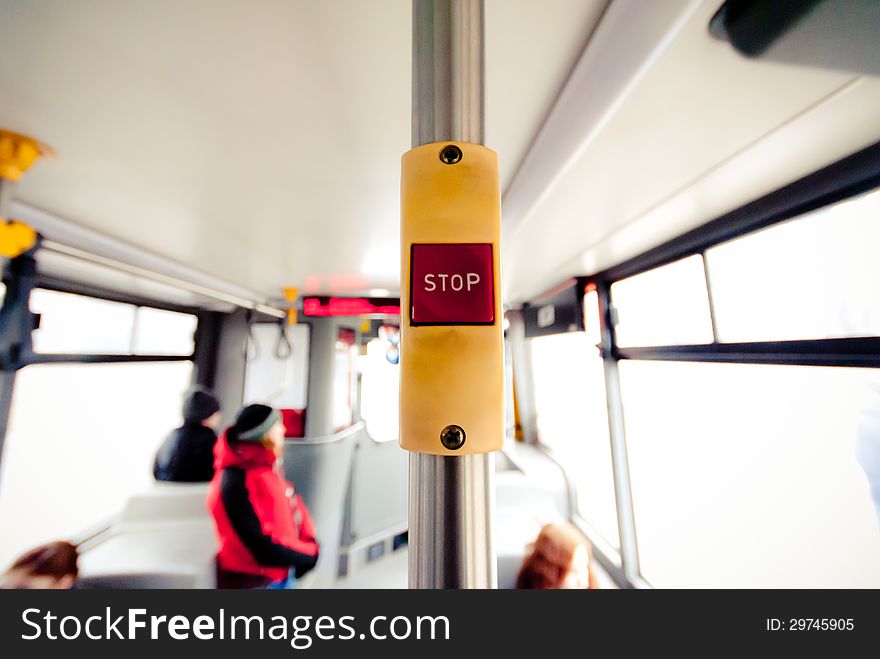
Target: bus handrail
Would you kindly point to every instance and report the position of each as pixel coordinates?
(326, 439)
(94, 535)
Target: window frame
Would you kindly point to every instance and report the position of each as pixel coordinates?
(856, 174)
(845, 179)
(64, 286)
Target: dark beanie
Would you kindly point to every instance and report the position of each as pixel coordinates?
(200, 403)
(254, 421)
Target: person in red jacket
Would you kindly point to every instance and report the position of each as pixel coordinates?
(265, 533)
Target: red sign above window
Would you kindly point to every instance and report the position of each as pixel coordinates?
(349, 306)
(452, 284)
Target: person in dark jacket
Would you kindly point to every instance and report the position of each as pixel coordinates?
(264, 530)
(187, 454)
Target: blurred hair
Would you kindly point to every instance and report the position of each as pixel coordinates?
(56, 559)
(561, 557)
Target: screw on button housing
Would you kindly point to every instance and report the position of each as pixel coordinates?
(450, 154)
(452, 437)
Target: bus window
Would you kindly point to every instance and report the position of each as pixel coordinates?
(813, 277)
(380, 392)
(79, 324)
(81, 439)
(162, 332)
(71, 324)
(668, 305)
(273, 375)
(748, 475)
(572, 419)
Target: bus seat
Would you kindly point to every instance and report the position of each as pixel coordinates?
(294, 422)
(153, 553)
(504, 463)
(529, 493)
(163, 538)
(377, 505)
(543, 473)
(137, 581)
(320, 469)
(166, 501)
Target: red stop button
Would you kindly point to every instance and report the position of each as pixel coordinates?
(452, 284)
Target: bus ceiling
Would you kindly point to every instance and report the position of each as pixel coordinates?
(618, 127)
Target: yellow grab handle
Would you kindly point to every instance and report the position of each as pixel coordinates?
(18, 153)
(16, 238)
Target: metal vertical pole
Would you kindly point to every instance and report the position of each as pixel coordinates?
(523, 376)
(7, 374)
(6, 188)
(17, 154)
(16, 324)
(7, 370)
(450, 497)
(617, 432)
(709, 297)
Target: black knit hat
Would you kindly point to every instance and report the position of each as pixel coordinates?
(254, 421)
(200, 403)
